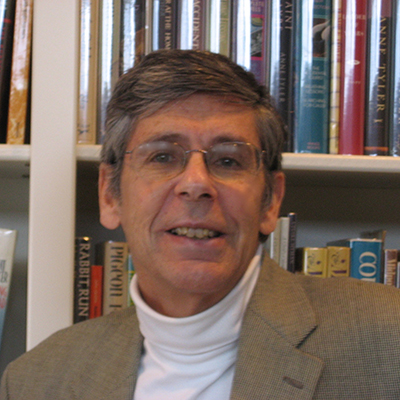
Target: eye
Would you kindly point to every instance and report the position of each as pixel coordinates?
(162, 158)
(228, 162)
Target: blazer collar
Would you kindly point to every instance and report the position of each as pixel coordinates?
(111, 372)
(278, 319)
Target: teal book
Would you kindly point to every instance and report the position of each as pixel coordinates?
(365, 258)
(312, 76)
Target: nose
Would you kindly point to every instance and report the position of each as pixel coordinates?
(195, 182)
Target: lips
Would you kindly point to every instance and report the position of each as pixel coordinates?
(195, 233)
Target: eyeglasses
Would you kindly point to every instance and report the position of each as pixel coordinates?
(159, 160)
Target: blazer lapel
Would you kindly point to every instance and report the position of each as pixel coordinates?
(111, 372)
(278, 318)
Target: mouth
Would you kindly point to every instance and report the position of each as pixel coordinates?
(195, 233)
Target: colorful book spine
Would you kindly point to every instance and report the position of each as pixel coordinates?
(88, 59)
(20, 71)
(8, 239)
(220, 26)
(114, 258)
(312, 72)
(7, 15)
(96, 291)
(164, 24)
(366, 258)
(280, 58)
(338, 262)
(394, 92)
(336, 48)
(312, 261)
(193, 24)
(83, 251)
(376, 140)
(352, 74)
(390, 267)
(133, 33)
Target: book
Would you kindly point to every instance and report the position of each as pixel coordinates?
(390, 267)
(219, 27)
(8, 239)
(312, 76)
(336, 48)
(18, 120)
(376, 139)
(113, 256)
(96, 291)
(352, 73)
(394, 91)
(312, 261)
(131, 273)
(273, 243)
(338, 261)
(164, 24)
(133, 33)
(7, 15)
(366, 258)
(280, 59)
(193, 20)
(82, 268)
(109, 59)
(88, 68)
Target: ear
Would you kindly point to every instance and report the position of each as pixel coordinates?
(271, 213)
(109, 205)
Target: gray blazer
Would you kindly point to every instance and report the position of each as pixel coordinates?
(302, 338)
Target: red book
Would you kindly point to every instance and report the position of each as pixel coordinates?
(353, 65)
(96, 291)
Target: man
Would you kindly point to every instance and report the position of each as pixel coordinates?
(191, 170)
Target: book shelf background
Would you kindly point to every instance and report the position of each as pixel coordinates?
(334, 196)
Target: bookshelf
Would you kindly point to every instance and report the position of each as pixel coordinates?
(50, 191)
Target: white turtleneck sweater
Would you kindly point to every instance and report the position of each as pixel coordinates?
(192, 358)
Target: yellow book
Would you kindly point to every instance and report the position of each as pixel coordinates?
(338, 261)
(312, 261)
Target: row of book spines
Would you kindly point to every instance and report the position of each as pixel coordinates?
(102, 287)
(337, 261)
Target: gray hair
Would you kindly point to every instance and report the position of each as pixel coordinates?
(167, 75)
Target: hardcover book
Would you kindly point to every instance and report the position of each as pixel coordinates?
(312, 76)
(18, 118)
(352, 73)
(114, 258)
(338, 262)
(312, 261)
(390, 267)
(220, 25)
(8, 238)
(164, 24)
(366, 258)
(96, 291)
(83, 251)
(377, 78)
(192, 24)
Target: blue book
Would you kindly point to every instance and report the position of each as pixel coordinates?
(312, 76)
(365, 258)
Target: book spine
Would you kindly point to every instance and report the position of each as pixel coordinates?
(312, 261)
(335, 77)
(280, 56)
(366, 260)
(133, 33)
(8, 238)
(291, 264)
(115, 282)
(83, 249)
(7, 15)
(241, 32)
(192, 24)
(88, 56)
(219, 27)
(377, 78)
(131, 273)
(352, 73)
(274, 242)
(390, 267)
(394, 93)
(312, 71)
(109, 59)
(338, 259)
(20, 72)
(164, 24)
(284, 242)
(96, 291)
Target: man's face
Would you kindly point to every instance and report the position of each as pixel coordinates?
(180, 275)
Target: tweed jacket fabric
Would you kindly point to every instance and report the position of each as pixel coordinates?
(302, 338)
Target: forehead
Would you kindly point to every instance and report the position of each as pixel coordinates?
(199, 119)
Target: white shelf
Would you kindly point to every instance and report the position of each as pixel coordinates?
(14, 161)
